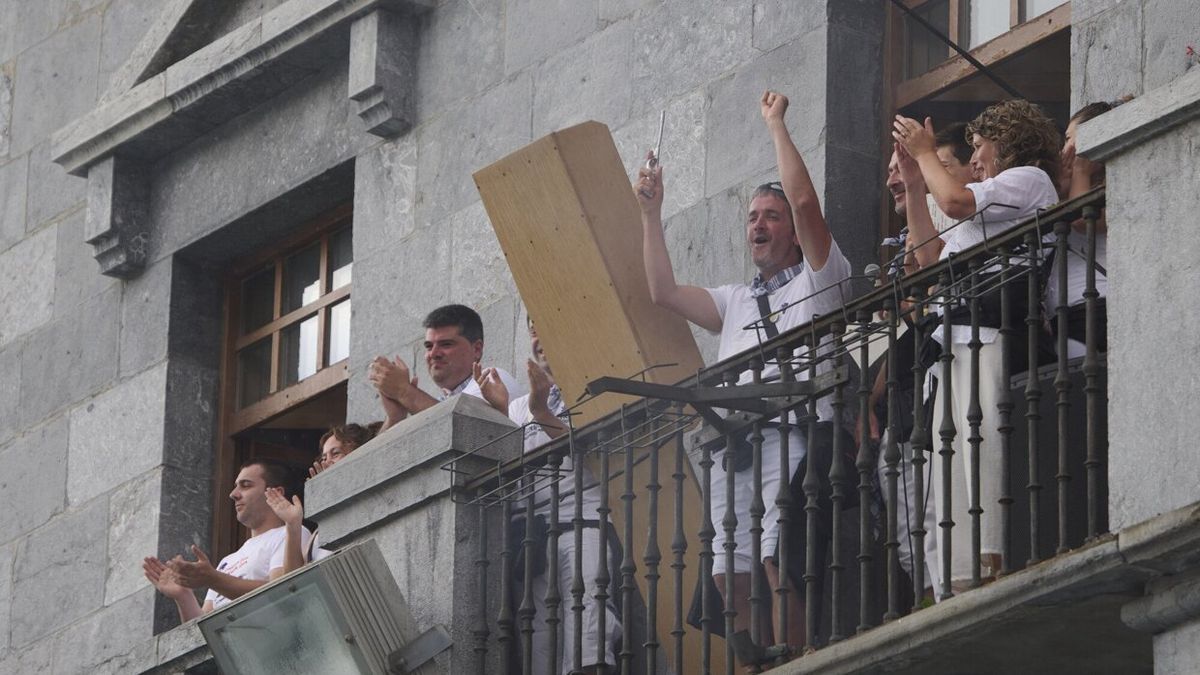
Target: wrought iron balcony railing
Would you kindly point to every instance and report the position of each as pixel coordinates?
(851, 503)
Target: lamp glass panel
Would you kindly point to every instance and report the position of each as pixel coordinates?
(296, 634)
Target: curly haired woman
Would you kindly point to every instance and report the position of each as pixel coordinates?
(1017, 151)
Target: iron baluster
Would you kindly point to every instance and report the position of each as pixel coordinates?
(504, 620)
(553, 600)
(729, 523)
(526, 612)
(603, 578)
(679, 550)
(1033, 392)
(783, 504)
(838, 481)
(1062, 383)
(628, 567)
(891, 458)
(1091, 383)
(811, 485)
(651, 559)
(974, 422)
(918, 446)
(946, 432)
(1004, 408)
(864, 463)
(758, 508)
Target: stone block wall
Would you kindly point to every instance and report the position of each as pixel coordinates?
(108, 387)
(1139, 47)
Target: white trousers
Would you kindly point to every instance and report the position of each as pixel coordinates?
(592, 640)
(907, 515)
(990, 459)
(743, 494)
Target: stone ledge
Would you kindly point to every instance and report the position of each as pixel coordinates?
(217, 82)
(405, 466)
(1062, 609)
(1141, 119)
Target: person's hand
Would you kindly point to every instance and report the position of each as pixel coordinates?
(649, 187)
(539, 386)
(163, 578)
(916, 138)
(910, 171)
(773, 106)
(290, 512)
(1066, 166)
(197, 574)
(317, 467)
(390, 378)
(492, 387)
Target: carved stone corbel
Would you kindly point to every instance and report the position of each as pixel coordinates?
(116, 227)
(383, 58)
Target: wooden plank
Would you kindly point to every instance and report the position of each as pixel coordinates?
(989, 54)
(279, 402)
(570, 227)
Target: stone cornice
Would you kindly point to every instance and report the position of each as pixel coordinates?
(1142, 118)
(216, 83)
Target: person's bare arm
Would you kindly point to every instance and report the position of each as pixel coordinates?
(690, 302)
(812, 232)
(164, 580)
(201, 574)
(1084, 175)
(922, 235)
(292, 514)
(953, 198)
(539, 395)
(395, 383)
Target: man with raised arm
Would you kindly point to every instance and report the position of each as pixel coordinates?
(258, 560)
(799, 267)
(453, 349)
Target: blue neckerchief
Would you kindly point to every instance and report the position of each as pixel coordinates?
(779, 280)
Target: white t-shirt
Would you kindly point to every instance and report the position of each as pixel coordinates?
(471, 388)
(255, 560)
(738, 308)
(1077, 270)
(1027, 188)
(535, 437)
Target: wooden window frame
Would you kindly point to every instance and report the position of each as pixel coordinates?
(231, 419)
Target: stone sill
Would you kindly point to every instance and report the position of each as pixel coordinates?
(1141, 119)
(406, 466)
(216, 83)
(177, 650)
(1066, 608)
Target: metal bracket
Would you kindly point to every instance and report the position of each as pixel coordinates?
(763, 400)
(417, 653)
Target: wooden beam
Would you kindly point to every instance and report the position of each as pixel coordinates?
(989, 54)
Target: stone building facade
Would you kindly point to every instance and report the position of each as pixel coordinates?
(146, 145)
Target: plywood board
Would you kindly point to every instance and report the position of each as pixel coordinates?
(570, 227)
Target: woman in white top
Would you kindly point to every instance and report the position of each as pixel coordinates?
(1016, 151)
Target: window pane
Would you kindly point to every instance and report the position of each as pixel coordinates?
(1036, 8)
(258, 300)
(924, 50)
(341, 259)
(254, 372)
(988, 18)
(301, 278)
(298, 352)
(338, 340)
